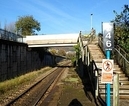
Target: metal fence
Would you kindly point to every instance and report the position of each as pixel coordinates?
(6, 35)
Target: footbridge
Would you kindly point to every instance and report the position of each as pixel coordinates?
(16, 59)
(90, 63)
(52, 40)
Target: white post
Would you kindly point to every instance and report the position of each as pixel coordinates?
(88, 62)
(86, 55)
(116, 90)
(96, 90)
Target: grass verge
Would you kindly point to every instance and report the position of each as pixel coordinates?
(14, 83)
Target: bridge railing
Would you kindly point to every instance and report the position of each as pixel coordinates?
(86, 56)
(88, 37)
(85, 40)
(118, 54)
(6, 35)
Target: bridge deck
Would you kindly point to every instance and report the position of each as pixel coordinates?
(53, 40)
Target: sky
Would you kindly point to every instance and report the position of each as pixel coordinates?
(62, 16)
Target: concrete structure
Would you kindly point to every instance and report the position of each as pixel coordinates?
(52, 40)
(17, 59)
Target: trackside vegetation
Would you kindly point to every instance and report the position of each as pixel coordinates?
(121, 22)
(14, 83)
(75, 58)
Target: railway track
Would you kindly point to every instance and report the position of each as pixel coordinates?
(38, 92)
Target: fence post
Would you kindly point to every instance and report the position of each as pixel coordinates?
(96, 82)
(86, 55)
(116, 90)
(88, 59)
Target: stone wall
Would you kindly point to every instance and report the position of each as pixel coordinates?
(17, 59)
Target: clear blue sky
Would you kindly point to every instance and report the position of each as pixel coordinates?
(61, 16)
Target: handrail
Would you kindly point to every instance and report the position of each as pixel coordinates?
(94, 74)
(122, 56)
(96, 70)
(91, 36)
(117, 47)
(90, 69)
(82, 46)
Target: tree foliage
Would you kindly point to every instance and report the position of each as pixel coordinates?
(27, 25)
(122, 28)
(78, 51)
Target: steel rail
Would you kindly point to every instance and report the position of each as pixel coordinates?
(12, 101)
(53, 83)
(35, 84)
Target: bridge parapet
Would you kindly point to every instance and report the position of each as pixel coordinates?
(52, 39)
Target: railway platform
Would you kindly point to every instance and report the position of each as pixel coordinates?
(73, 91)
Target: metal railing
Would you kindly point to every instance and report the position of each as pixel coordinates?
(88, 40)
(94, 72)
(6, 35)
(122, 58)
(89, 36)
(86, 57)
(119, 56)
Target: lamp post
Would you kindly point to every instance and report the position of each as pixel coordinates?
(91, 20)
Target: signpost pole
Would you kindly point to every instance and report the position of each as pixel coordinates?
(108, 44)
(108, 55)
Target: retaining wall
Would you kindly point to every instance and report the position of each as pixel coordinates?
(17, 59)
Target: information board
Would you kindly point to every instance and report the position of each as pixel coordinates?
(108, 36)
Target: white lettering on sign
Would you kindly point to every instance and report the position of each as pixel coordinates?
(108, 43)
(108, 36)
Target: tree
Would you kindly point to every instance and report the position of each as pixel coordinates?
(122, 28)
(27, 25)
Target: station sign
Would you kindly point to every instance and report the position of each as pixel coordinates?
(108, 36)
(107, 71)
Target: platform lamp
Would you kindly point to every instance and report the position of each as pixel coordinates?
(91, 20)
